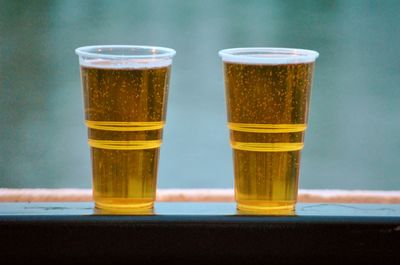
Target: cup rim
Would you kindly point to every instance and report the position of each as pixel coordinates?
(259, 55)
(86, 51)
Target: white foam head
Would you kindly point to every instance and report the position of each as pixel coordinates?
(268, 55)
(124, 56)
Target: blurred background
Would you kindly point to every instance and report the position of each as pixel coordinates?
(352, 141)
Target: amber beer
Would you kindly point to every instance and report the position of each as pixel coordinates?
(267, 94)
(125, 104)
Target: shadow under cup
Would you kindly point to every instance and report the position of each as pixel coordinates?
(125, 91)
(267, 96)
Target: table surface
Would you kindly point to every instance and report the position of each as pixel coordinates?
(199, 233)
(221, 210)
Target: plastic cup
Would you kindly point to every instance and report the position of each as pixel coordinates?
(125, 91)
(267, 97)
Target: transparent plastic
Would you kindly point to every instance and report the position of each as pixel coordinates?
(125, 91)
(267, 97)
(259, 55)
(125, 56)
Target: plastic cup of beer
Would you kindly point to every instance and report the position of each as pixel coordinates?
(268, 97)
(125, 91)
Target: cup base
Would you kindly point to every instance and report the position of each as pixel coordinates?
(124, 205)
(267, 208)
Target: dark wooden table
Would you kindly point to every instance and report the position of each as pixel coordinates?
(199, 233)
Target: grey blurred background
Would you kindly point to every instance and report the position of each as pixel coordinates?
(353, 137)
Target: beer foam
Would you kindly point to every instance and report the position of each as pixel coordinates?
(271, 56)
(125, 63)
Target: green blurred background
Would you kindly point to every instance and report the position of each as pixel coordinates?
(352, 141)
